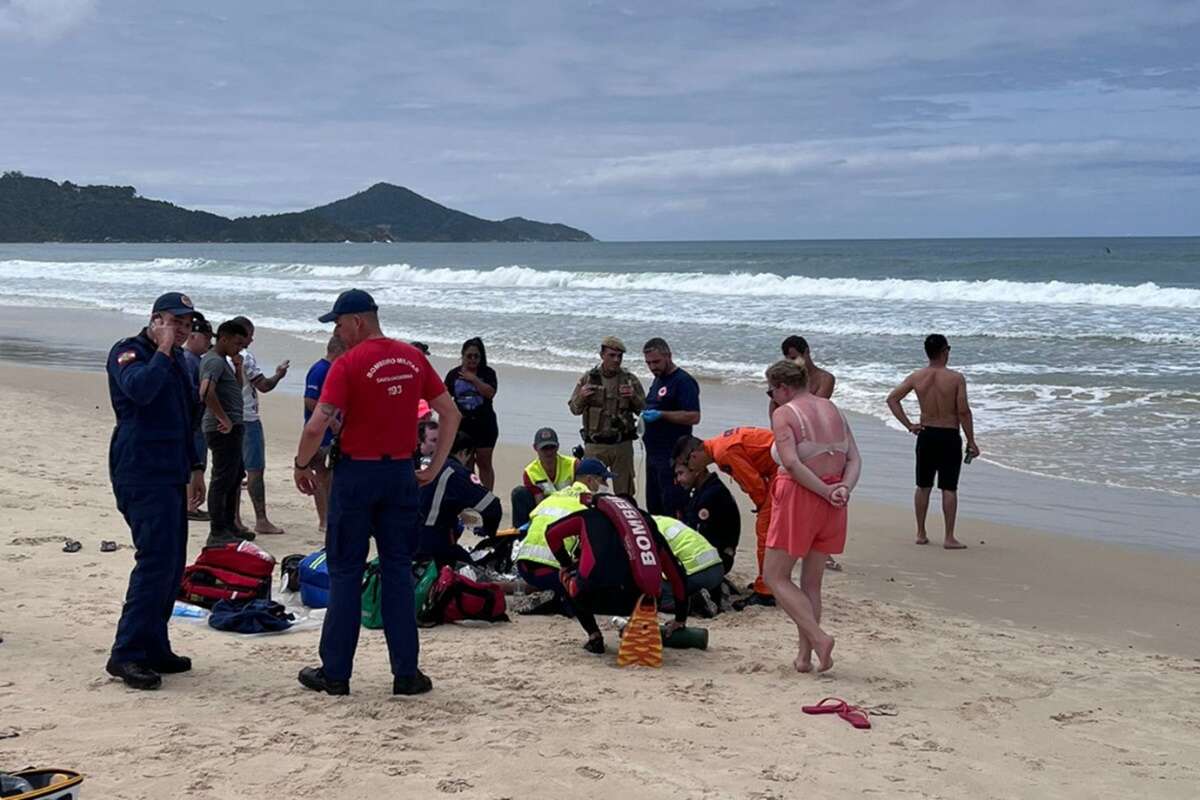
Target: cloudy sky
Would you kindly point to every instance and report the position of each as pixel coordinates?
(698, 119)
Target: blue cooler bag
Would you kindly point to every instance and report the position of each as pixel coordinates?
(314, 581)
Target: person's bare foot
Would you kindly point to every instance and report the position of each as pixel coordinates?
(922, 539)
(803, 662)
(267, 528)
(824, 650)
(954, 544)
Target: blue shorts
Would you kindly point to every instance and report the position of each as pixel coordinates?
(254, 448)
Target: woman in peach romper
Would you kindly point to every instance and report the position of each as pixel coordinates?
(819, 467)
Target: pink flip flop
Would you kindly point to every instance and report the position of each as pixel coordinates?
(856, 717)
(826, 707)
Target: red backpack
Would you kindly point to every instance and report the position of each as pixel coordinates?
(456, 597)
(246, 558)
(238, 571)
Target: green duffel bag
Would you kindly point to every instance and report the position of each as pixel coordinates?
(372, 598)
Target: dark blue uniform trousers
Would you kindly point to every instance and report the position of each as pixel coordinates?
(370, 498)
(157, 517)
(662, 495)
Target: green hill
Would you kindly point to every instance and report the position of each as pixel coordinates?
(405, 216)
(40, 210)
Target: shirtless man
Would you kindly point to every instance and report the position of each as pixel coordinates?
(942, 394)
(820, 382)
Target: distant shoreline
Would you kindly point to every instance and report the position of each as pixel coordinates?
(593, 240)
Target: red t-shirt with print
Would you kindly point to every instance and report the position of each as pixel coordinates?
(377, 384)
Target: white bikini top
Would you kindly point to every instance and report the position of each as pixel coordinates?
(808, 450)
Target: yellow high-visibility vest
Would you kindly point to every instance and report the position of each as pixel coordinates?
(688, 545)
(564, 474)
(553, 508)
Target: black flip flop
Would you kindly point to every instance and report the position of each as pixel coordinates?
(108, 547)
(72, 546)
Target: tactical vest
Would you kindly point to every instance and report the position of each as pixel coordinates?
(606, 412)
(564, 474)
(688, 545)
(558, 505)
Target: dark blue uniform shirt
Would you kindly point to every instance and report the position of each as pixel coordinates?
(455, 490)
(675, 392)
(713, 512)
(156, 402)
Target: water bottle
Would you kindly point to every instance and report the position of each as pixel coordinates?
(188, 610)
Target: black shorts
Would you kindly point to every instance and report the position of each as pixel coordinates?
(482, 429)
(940, 452)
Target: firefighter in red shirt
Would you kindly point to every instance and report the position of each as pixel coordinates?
(745, 454)
(370, 398)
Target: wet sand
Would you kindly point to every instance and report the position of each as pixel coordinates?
(529, 399)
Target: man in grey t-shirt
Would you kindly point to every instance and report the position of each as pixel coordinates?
(221, 392)
(254, 446)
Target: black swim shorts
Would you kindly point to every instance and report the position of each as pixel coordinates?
(940, 452)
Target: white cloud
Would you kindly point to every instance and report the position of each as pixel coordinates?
(850, 156)
(42, 20)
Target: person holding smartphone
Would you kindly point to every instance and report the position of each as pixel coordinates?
(156, 473)
(608, 399)
(473, 386)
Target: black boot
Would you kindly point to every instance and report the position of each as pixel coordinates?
(136, 676)
(171, 665)
(315, 678)
(412, 684)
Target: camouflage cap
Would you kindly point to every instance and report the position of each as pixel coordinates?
(612, 343)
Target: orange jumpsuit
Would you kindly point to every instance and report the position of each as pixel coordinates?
(745, 454)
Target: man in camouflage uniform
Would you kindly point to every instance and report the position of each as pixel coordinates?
(609, 398)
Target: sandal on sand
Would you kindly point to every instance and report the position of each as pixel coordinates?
(837, 706)
(856, 717)
(71, 546)
(108, 547)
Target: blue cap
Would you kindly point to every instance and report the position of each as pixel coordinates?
(351, 301)
(175, 303)
(593, 466)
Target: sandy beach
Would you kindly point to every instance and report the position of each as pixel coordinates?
(1033, 665)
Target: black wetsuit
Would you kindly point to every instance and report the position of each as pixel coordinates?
(605, 582)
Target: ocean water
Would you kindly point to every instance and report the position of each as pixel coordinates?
(1081, 354)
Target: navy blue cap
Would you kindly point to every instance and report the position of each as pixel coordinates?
(175, 303)
(593, 466)
(351, 301)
